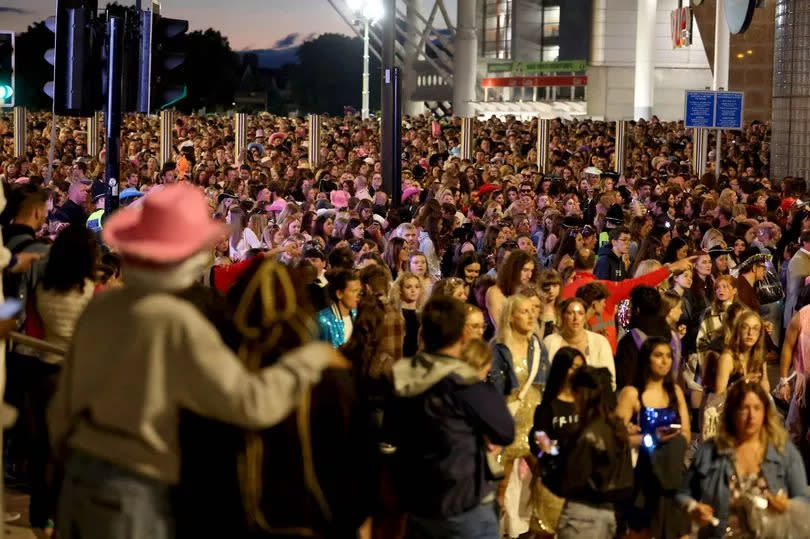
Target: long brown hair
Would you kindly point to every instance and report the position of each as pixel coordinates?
(772, 430)
(509, 272)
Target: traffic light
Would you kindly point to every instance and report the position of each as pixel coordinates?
(7, 69)
(76, 88)
(168, 54)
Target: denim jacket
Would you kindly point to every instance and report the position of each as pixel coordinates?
(502, 375)
(707, 480)
(330, 326)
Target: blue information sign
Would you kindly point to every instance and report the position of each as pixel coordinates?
(728, 110)
(700, 107)
(713, 110)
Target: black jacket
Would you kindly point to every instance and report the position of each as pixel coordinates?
(597, 469)
(442, 415)
(610, 267)
(72, 213)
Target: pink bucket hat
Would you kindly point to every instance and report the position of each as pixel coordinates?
(171, 225)
(339, 199)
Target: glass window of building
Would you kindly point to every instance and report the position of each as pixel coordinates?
(497, 31)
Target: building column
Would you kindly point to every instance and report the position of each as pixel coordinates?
(645, 59)
(722, 44)
(465, 60)
(411, 107)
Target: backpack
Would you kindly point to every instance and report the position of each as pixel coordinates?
(22, 285)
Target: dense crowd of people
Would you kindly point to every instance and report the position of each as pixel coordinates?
(256, 345)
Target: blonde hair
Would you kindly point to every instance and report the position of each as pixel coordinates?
(646, 266)
(503, 332)
(477, 354)
(257, 223)
(395, 295)
(712, 238)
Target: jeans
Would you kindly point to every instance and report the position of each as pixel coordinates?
(579, 520)
(100, 500)
(477, 523)
(42, 468)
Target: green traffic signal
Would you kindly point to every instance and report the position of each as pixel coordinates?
(7, 68)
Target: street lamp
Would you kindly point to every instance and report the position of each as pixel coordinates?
(367, 12)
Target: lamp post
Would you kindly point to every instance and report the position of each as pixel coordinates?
(367, 13)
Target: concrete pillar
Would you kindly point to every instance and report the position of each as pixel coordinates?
(790, 125)
(700, 141)
(467, 137)
(19, 131)
(166, 132)
(314, 139)
(621, 146)
(240, 121)
(543, 125)
(409, 106)
(94, 134)
(465, 58)
(645, 59)
(722, 44)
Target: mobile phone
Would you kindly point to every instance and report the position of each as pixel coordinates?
(675, 426)
(10, 308)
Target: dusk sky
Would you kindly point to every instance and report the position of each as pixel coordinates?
(248, 24)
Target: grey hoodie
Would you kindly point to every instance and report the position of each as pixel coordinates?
(414, 376)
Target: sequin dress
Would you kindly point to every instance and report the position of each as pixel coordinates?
(524, 418)
(520, 515)
(653, 507)
(652, 418)
(740, 486)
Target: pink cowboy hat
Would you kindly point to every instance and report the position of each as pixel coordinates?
(409, 192)
(278, 205)
(170, 226)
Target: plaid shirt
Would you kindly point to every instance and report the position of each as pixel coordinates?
(393, 335)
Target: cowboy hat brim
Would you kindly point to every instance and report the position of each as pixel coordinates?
(125, 233)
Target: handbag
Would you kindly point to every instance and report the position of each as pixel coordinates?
(769, 290)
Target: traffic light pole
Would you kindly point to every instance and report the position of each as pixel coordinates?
(112, 110)
(391, 116)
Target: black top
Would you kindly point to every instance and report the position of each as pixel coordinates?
(411, 342)
(72, 213)
(558, 419)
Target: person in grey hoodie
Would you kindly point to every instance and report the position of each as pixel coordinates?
(445, 417)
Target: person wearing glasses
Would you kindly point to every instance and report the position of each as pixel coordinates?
(614, 262)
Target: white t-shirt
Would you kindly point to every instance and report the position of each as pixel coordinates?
(247, 241)
(348, 327)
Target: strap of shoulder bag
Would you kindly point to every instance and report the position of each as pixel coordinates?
(534, 367)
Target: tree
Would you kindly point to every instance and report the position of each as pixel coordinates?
(212, 71)
(329, 75)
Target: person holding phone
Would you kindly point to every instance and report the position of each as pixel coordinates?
(655, 411)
